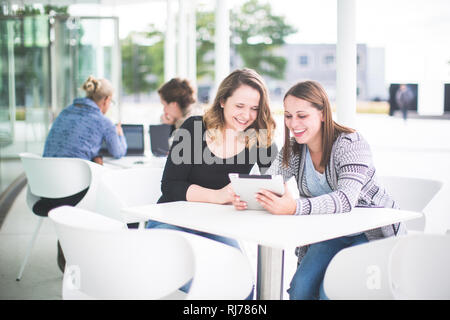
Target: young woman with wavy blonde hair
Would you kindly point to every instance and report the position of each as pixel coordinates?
(263, 125)
(207, 148)
(235, 133)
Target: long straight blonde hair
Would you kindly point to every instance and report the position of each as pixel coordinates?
(314, 93)
(214, 118)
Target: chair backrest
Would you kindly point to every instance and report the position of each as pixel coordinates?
(104, 260)
(55, 177)
(360, 272)
(419, 267)
(412, 194)
(128, 188)
(222, 272)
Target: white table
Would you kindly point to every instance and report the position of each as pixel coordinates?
(272, 233)
(134, 162)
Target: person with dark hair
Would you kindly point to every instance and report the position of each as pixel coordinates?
(177, 97)
(334, 172)
(404, 98)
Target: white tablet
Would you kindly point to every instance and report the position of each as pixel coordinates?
(246, 186)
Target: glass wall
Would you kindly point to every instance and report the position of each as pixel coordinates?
(24, 90)
(83, 46)
(44, 59)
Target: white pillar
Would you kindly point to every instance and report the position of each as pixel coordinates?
(116, 73)
(170, 62)
(100, 61)
(182, 40)
(222, 42)
(192, 43)
(432, 83)
(346, 63)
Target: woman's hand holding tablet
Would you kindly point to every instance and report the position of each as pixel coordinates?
(261, 192)
(275, 204)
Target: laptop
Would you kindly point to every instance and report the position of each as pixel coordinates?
(134, 135)
(159, 139)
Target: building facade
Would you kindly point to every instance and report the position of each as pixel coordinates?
(318, 62)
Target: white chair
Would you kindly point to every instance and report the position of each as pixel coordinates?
(128, 188)
(107, 261)
(419, 267)
(360, 272)
(57, 178)
(412, 194)
(222, 272)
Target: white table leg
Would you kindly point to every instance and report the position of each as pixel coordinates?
(270, 273)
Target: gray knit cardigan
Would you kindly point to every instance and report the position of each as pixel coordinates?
(350, 174)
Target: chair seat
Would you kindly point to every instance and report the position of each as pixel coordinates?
(55, 182)
(44, 205)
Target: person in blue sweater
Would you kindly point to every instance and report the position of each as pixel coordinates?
(78, 132)
(79, 129)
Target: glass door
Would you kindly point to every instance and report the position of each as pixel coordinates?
(44, 60)
(24, 90)
(7, 85)
(84, 46)
(25, 84)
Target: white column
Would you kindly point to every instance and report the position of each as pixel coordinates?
(182, 40)
(170, 62)
(435, 72)
(116, 73)
(270, 273)
(346, 63)
(100, 52)
(222, 42)
(192, 43)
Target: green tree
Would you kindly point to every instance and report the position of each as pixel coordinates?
(256, 33)
(205, 27)
(142, 61)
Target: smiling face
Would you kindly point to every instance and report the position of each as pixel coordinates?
(304, 121)
(240, 110)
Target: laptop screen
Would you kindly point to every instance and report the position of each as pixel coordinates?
(134, 135)
(159, 139)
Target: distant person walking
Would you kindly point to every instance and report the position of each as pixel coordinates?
(404, 98)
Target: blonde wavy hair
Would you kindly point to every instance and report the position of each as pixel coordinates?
(97, 89)
(262, 129)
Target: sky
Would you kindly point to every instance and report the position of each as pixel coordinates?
(414, 33)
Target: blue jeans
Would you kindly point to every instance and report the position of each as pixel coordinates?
(228, 241)
(159, 225)
(307, 283)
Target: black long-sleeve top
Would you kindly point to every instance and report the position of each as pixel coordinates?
(190, 161)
